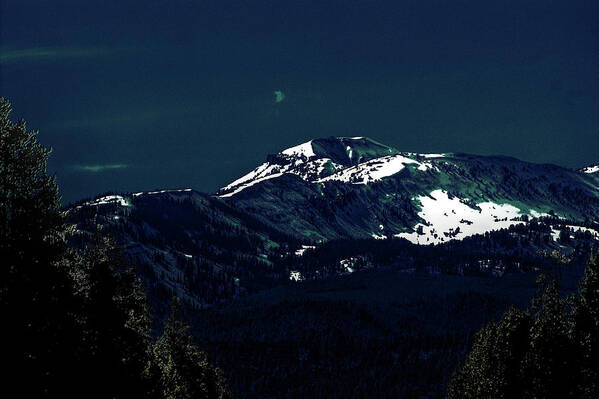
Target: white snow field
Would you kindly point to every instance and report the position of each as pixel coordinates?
(452, 219)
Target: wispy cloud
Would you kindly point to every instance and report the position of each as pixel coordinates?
(45, 54)
(99, 168)
(131, 117)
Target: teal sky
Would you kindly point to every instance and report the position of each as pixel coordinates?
(138, 95)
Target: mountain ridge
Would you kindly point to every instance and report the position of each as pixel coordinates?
(393, 188)
(356, 187)
(316, 159)
(487, 214)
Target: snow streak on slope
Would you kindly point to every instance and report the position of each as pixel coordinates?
(590, 169)
(304, 150)
(162, 192)
(307, 170)
(250, 182)
(109, 199)
(261, 171)
(115, 199)
(555, 232)
(375, 169)
(450, 218)
(433, 155)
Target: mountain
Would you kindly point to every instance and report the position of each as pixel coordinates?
(313, 161)
(356, 187)
(186, 243)
(335, 206)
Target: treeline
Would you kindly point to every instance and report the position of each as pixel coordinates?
(77, 322)
(512, 250)
(549, 350)
(326, 348)
(183, 244)
(525, 181)
(193, 246)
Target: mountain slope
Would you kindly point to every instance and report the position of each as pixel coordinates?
(311, 213)
(312, 160)
(355, 187)
(313, 210)
(186, 243)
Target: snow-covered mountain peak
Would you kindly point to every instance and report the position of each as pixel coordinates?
(344, 159)
(350, 151)
(348, 160)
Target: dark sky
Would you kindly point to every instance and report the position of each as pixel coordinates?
(136, 95)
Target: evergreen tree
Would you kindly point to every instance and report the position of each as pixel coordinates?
(36, 301)
(77, 324)
(549, 360)
(585, 330)
(116, 322)
(493, 368)
(551, 350)
(184, 370)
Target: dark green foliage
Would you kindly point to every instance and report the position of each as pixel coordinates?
(36, 300)
(76, 323)
(493, 370)
(184, 371)
(116, 323)
(585, 330)
(370, 334)
(549, 355)
(546, 351)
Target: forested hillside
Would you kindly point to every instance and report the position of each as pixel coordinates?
(78, 322)
(180, 294)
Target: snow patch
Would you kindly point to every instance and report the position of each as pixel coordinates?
(304, 149)
(373, 170)
(260, 171)
(303, 249)
(433, 155)
(161, 192)
(536, 214)
(348, 264)
(452, 219)
(295, 275)
(251, 183)
(590, 169)
(555, 233)
(110, 199)
(306, 170)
